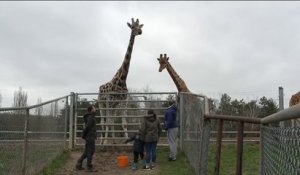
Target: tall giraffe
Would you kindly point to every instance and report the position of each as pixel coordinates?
(295, 99)
(117, 85)
(164, 63)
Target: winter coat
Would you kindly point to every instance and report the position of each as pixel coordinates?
(89, 131)
(138, 144)
(150, 129)
(170, 117)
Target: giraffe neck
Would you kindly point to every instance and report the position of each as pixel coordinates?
(180, 84)
(122, 73)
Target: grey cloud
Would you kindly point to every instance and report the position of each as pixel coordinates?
(56, 47)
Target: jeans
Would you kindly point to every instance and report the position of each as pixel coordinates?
(88, 153)
(150, 151)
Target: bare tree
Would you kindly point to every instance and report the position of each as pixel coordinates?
(54, 109)
(20, 99)
(39, 110)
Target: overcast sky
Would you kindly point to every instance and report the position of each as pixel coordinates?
(245, 49)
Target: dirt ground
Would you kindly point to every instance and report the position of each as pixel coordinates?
(106, 163)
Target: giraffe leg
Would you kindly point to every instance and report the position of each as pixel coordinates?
(102, 121)
(102, 126)
(108, 122)
(112, 121)
(124, 121)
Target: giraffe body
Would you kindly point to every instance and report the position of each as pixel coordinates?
(118, 85)
(295, 99)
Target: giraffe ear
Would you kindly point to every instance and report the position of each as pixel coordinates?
(168, 59)
(129, 25)
(141, 25)
(158, 59)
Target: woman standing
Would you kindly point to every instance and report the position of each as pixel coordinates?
(150, 132)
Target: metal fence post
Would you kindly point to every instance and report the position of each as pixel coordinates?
(181, 130)
(219, 147)
(281, 105)
(204, 135)
(239, 159)
(75, 117)
(25, 142)
(66, 123)
(261, 147)
(71, 137)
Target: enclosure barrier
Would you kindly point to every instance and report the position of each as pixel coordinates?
(194, 130)
(119, 118)
(31, 137)
(280, 147)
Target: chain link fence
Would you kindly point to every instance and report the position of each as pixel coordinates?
(32, 137)
(11, 141)
(194, 131)
(280, 150)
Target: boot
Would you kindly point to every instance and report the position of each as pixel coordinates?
(79, 166)
(134, 166)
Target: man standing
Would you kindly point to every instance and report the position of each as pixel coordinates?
(89, 134)
(172, 129)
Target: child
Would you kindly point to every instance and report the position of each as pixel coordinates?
(138, 149)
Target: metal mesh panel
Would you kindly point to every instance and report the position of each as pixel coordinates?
(280, 150)
(194, 132)
(46, 135)
(11, 141)
(31, 139)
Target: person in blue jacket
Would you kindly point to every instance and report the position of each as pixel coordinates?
(171, 127)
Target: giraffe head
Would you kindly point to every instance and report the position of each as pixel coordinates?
(135, 27)
(163, 62)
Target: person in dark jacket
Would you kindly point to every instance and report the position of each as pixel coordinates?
(89, 135)
(171, 127)
(138, 148)
(150, 132)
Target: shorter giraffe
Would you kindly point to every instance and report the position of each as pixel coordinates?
(180, 84)
(164, 63)
(295, 99)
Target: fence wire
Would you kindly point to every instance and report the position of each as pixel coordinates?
(280, 150)
(195, 132)
(11, 141)
(29, 152)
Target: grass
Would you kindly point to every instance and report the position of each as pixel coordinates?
(58, 162)
(178, 167)
(228, 159)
